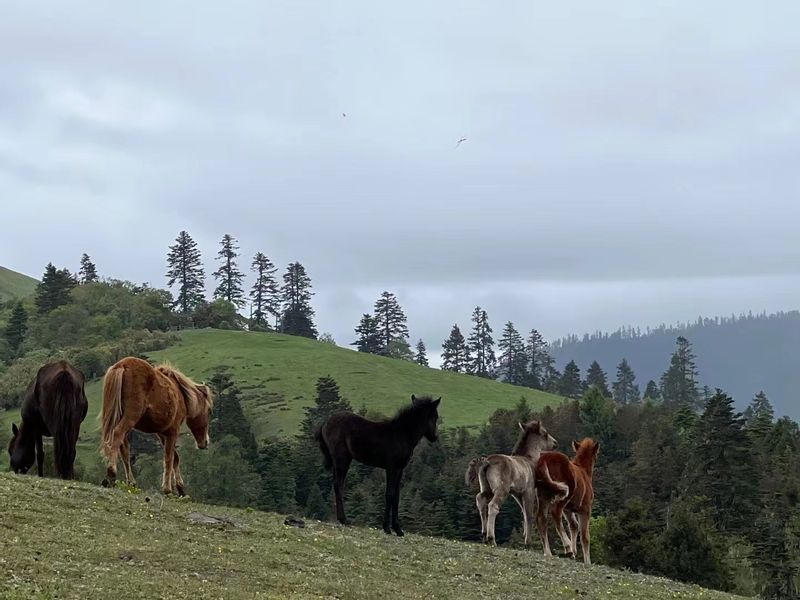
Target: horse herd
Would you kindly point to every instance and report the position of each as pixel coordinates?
(159, 399)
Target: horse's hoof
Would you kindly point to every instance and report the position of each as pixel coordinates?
(399, 532)
(106, 483)
(387, 531)
(180, 490)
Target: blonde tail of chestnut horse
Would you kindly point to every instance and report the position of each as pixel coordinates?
(112, 406)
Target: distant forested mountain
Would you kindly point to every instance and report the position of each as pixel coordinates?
(741, 355)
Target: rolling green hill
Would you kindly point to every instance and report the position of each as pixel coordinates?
(76, 540)
(278, 373)
(15, 285)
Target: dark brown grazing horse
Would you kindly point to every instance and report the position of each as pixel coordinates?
(55, 405)
(155, 400)
(389, 444)
(565, 485)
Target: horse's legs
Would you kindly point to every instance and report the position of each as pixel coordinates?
(340, 467)
(482, 501)
(170, 440)
(125, 455)
(584, 522)
(398, 476)
(39, 455)
(500, 495)
(118, 436)
(541, 524)
(557, 512)
(528, 502)
(179, 485)
(574, 528)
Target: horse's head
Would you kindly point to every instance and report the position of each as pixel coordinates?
(534, 439)
(586, 453)
(430, 410)
(22, 455)
(199, 422)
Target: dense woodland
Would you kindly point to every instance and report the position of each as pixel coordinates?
(686, 486)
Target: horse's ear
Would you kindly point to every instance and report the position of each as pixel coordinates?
(14, 429)
(436, 402)
(575, 445)
(521, 426)
(596, 448)
(413, 399)
(536, 426)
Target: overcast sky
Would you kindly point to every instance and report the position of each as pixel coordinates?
(626, 162)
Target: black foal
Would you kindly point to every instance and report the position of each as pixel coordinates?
(386, 444)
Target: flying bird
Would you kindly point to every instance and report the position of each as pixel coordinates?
(458, 143)
(344, 114)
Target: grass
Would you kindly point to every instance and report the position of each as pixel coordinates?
(15, 285)
(74, 540)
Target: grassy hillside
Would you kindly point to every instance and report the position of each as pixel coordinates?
(15, 285)
(277, 374)
(74, 540)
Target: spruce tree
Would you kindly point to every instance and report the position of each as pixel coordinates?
(651, 392)
(369, 335)
(481, 345)
(571, 385)
(228, 418)
(16, 328)
(513, 358)
(54, 289)
(539, 360)
(88, 270)
(679, 383)
(454, 352)
(723, 468)
(595, 376)
(328, 401)
(392, 326)
(265, 294)
(229, 276)
(186, 269)
(625, 389)
(297, 318)
(421, 355)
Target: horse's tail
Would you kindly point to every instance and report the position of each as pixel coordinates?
(111, 414)
(67, 423)
(323, 445)
(475, 466)
(543, 480)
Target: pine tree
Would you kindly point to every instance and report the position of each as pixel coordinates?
(625, 389)
(228, 418)
(296, 296)
(265, 295)
(186, 269)
(369, 335)
(595, 376)
(54, 289)
(481, 345)
(454, 352)
(327, 402)
(421, 355)
(571, 385)
(679, 383)
(513, 358)
(392, 326)
(723, 468)
(651, 392)
(88, 270)
(229, 276)
(539, 360)
(16, 328)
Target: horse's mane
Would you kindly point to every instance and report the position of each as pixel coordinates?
(408, 414)
(195, 403)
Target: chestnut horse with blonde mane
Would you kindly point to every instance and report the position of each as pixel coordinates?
(155, 400)
(565, 485)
